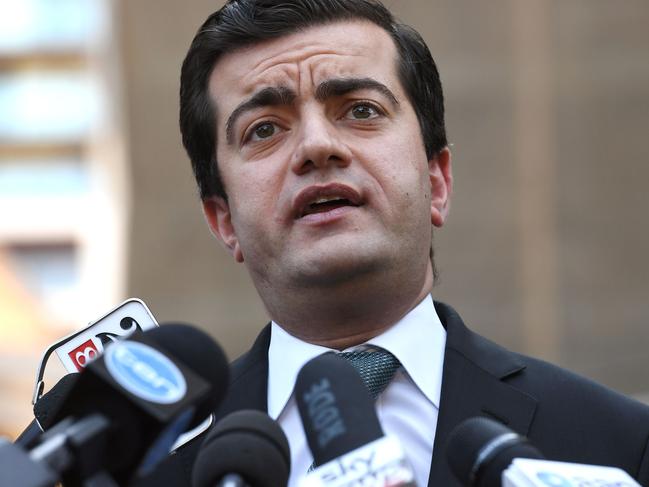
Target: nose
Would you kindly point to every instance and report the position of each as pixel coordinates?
(319, 145)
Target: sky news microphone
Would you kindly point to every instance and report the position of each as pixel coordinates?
(484, 453)
(134, 400)
(343, 430)
(245, 449)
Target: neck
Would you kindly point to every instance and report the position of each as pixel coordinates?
(352, 314)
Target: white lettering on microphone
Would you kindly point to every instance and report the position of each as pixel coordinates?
(381, 462)
(354, 466)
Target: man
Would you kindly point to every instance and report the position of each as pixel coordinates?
(316, 133)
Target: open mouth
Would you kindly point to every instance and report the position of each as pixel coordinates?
(323, 205)
(327, 198)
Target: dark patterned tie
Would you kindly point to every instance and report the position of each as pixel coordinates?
(375, 366)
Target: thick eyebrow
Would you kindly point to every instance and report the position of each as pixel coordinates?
(342, 86)
(270, 96)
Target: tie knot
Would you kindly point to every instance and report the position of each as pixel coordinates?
(375, 366)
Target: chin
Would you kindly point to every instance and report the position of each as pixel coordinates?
(333, 270)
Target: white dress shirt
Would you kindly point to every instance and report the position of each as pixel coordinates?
(408, 407)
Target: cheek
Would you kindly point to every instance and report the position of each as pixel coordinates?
(257, 184)
(406, 187)
(252, 206)
(254, 197)
(402, 167)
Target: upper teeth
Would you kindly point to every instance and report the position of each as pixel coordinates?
(325, 200)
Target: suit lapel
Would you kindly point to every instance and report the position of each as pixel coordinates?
(249, 379)
(474, 384)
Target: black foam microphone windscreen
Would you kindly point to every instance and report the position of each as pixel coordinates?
(336, 408)
(248, 444)
(202, 355)
(479, 450)
(50, 400)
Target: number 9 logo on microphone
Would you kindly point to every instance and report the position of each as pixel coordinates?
(84, 354)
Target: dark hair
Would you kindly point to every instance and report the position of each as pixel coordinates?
(244, 22)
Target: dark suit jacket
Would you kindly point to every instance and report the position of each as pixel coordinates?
(567, 417)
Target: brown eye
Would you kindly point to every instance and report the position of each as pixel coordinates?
(363, 112)
(264, 131)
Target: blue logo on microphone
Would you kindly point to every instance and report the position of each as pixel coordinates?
(553, 480)
(145, 372)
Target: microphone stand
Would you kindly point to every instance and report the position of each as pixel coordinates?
(71, 452)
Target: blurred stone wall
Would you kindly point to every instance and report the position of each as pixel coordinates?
(545, 249)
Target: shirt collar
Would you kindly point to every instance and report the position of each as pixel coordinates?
(286, 356)
(417, 340)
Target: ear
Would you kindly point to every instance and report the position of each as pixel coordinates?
(219, 218)
(441, 186)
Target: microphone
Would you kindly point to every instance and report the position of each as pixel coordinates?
(75, 351)
(42, 418)
(529, 472)
(484, 453)
(246, 448)
(343, 430)
(18, 469)
(479, 449)
(181, 343)
(198, 351)
(127, 407)
(52, 400)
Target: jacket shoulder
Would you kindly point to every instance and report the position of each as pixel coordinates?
(581, 420)
(573, 418)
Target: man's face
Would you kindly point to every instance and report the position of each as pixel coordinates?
(322, 159)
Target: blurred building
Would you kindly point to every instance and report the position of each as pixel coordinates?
(63, 198)
(545, 249)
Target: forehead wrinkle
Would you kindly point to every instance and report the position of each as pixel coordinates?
(295, 48)
(290, 65)
(301, 51)
(295, 58)
(277, 73)
(298, 69)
